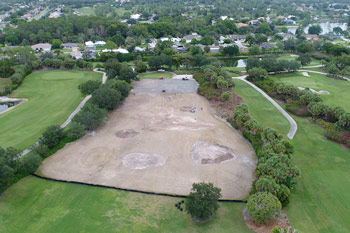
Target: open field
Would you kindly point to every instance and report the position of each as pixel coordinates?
(151, 139)
(320, 202)
(339, 89)
(86, 11)
(155, 75)
(4, 82)
(314, 62)
(262, 110)
(37, 206)
(53, 96)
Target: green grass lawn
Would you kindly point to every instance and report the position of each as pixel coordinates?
(86, 11)
(321, 201)
(4, 82)
(261, 109)
(53, 96)
(288, 57)
(155, 75)
(339, 89)
(35, 205)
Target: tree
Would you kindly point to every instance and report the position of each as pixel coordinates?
(230, 50)
(304, 59)
(263, 207)
(315, 29)
(52, 136)
(88, 87)
(6, 69)
(127, 74)
(140, 66)
(123, 87)
(56, 44)
(226, 95)
(111, 45)
(91, 116)
(31, 162)
(106, 97)
(202, 203)
(266, 184)
(75, 131)
(69, 63)
(257, 73)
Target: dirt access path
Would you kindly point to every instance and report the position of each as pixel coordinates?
(154, 142)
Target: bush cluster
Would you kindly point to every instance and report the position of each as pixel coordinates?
(305, 103)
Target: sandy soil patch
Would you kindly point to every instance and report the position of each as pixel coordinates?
(322, 92)
(207, 153)
(143, 160)
(166, 136)
(306, 74)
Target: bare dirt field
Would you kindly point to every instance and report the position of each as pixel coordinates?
(155, 143)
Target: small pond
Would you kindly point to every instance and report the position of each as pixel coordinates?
(6, 105)
(234, 62)
(327, 27)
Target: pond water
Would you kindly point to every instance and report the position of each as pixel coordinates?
(234, 62)
(327, 27)
(4, 106)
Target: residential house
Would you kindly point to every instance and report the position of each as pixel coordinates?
(42, 47)
(194, 35)
(162, 39)
(90, 45)
(135, 16)
(236, 37)
(69, 45)
(267, 46)
(100, 43)
(239, 25)
(287, 36)
(253, 22)
(76, 54)
(311, 37)
(289, 22)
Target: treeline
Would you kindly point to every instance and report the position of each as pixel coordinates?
(276, 172)
(304, 103)
(270, 63)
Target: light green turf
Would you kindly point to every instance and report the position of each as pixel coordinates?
(4, 82)
(37, 206)
(288, 57)
(321, 200)
(339, 89)
(261, 109)
(155, 75)
(53, 96)
(86, 11)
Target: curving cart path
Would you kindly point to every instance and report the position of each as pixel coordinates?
(71, 116)
(293, 125)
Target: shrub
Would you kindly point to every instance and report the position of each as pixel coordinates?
(75, 131)
(202, 203)
(52, 136)
(41, 150)
(266, 184)
(31, 162)
(263, 207)
(91, 116)
(123, 87)
(88, 87)
(106, 97)
(226, 95)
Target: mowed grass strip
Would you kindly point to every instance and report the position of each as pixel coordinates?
(40, 206)
(52, 97)
(155, 75)
(261, 109)
(339, 89)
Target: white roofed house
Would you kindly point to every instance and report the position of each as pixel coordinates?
(43, 47)
(162, 39)
(90, 45)
(194, 35)
(100, 43)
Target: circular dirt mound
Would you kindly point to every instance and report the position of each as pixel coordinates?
(126, 133)
(206, 153)
(143, 160)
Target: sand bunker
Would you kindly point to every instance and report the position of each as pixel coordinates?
(306, 74)
(206, 153)
(126, 133)
(143, 160)
(316, 92)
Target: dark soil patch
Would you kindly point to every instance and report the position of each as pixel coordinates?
(217, 160)
(226, 109)
(282, 222)
(126, 133)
